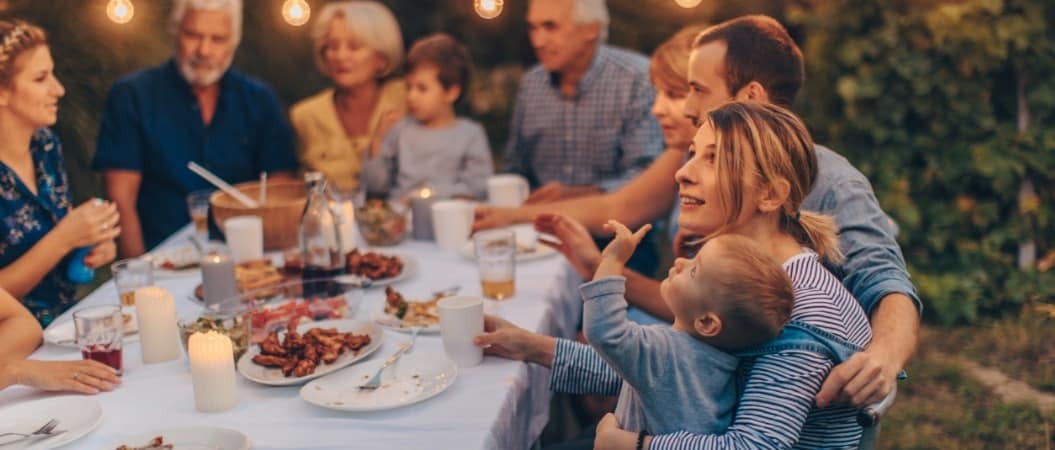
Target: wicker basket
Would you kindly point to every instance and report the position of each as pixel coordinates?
(281, 214)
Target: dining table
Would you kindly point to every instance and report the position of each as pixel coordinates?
(499, 404)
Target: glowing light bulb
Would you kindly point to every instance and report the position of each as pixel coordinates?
(488, 9)
(296, 12)
(688, 3)
(120, 11)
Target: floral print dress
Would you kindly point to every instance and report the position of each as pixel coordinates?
(27, 218)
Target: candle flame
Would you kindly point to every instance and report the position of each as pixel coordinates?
(425, 192)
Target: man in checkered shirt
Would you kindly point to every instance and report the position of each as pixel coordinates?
(582, 122)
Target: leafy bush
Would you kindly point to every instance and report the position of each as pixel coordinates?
(948, 108)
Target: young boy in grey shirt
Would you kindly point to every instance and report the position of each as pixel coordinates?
(731, 296)
(433, 147)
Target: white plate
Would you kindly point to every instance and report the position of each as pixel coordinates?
(395, 324)
(183, 256)
(64, 334)
(192, 438)
(77, 414)
(410, 268)
(274, 377)
(541, 251)
(414, 378)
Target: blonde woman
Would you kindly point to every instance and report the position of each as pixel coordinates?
(358, 45)
(749, 171)
(40, 228)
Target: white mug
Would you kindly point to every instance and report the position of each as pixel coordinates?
(245, 237)
(452, 221)
(461, 320)
(507, 191)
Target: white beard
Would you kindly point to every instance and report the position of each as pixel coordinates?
(202, 77)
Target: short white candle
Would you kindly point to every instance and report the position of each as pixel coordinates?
(158, 333)
(212, 371)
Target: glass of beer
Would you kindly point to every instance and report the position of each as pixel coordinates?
(198, 205)
(99, 333)
(496, 260)
(132, 274)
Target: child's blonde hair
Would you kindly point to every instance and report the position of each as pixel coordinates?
(751, 292)
(782, 150)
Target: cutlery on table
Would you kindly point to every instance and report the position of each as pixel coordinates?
(375, 381)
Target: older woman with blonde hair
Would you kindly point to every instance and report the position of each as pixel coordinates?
(358, 45)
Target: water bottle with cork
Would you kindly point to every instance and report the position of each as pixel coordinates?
(320, 240)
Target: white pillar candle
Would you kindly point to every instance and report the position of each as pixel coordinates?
(212, 371)
(245, 237)
(158, 333)
(348, 226)
(218, 279)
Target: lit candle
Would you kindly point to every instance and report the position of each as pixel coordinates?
(421, 210)
(158, 333)
(217, 279)
(212, 371)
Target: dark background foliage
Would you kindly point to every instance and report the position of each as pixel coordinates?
(947, 106)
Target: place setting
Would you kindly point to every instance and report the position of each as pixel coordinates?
(48, 422)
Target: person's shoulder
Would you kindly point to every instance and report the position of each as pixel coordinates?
(45, 139)
(624, 60)
(394, 88)
(317, 103)
(834, 169)
(470, 127)
(820, 298)
(147, 78)
(249, 84)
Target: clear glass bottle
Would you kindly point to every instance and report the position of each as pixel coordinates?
(320, 239)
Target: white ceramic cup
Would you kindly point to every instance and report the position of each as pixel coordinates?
(507, 190)
(452, 221)
(526, 236)
(461, 320)
(245, 237)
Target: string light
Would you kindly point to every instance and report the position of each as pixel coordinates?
(296, 12)
(688, 3)
(488, 9)
(120, 11)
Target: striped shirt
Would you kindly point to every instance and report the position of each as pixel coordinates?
(604, 136)
(776, 408)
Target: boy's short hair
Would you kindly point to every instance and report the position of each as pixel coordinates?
(753, 294)
(450, 58)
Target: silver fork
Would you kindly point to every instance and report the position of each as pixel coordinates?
(46, 430)
(375, 381)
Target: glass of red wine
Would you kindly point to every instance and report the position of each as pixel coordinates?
(99, 333)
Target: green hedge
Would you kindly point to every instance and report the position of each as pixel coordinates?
(926, 99)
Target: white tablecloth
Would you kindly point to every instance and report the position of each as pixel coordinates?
(500, 404)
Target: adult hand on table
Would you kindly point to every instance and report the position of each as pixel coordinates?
(89, 224)
(576, 243)
(84, 376)
(503, 338)
(487, 217)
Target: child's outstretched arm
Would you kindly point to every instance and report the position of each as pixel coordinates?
(619, 251)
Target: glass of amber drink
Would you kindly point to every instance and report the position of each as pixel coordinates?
(496, 261)
(198, 205)
(132, 274)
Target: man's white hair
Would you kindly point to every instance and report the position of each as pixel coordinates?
(233, 7)
(593, 11)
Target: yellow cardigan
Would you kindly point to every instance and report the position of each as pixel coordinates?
(325, 146)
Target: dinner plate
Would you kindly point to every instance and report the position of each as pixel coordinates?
(414, 378)
(77, 415)
(273, 376)
(64, 334)
(410, 268)
(183, 259)
(395, 324)
(190, 438)
(540, 251)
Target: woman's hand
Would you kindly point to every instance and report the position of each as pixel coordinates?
(93, 222)
(84, 376)
(575, 244)
(487, 217)
(101, 254)
(611, 437)
(502, 338)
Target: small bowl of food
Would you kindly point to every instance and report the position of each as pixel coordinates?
(232, 322)
(382, 223)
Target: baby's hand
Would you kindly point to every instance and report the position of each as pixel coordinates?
(622, 247)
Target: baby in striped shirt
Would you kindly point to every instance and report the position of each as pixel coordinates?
(732, 296)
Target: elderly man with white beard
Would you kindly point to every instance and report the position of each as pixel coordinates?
(190, 108)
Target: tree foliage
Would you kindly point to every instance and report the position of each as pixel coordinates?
(948, 108)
